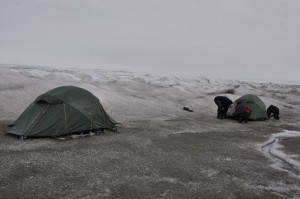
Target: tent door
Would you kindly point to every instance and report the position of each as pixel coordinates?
(35, 120)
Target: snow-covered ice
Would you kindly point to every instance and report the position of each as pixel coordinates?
(140, 96)
(161, 150)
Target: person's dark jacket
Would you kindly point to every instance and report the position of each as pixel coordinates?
(273, 111)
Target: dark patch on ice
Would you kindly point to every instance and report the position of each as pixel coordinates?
(226, 91)
(292, 144)
(15, 87)
(136, 96)
(174, 85)
(229, 91)
(187, 109)
(288, 106)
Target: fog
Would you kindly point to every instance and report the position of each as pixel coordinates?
(256, 39)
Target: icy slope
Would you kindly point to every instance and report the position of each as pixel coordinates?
(131, 96)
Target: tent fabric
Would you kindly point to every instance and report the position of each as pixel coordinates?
(61, 111)
(258, 108)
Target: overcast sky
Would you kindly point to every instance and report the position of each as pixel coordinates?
(221, 38)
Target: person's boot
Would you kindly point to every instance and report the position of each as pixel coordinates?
(219, 116)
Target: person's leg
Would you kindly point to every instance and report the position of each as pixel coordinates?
(240, 119)
(276, 113)
(224, 110)
(247, 117)
(218, 103)
(269, 112)
(221, 115)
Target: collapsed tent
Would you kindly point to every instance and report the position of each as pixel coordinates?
(258, 108)
(61, 111)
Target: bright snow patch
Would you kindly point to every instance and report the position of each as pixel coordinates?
(273, 149)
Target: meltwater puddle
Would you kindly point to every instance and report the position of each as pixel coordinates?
(273, 149)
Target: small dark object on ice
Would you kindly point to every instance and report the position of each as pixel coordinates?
(187, 109)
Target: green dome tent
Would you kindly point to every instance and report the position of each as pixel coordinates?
(61, 111)
(257, 107)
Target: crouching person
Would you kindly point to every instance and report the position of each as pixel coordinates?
(242, 112)
(273, 111)
(223, 104)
